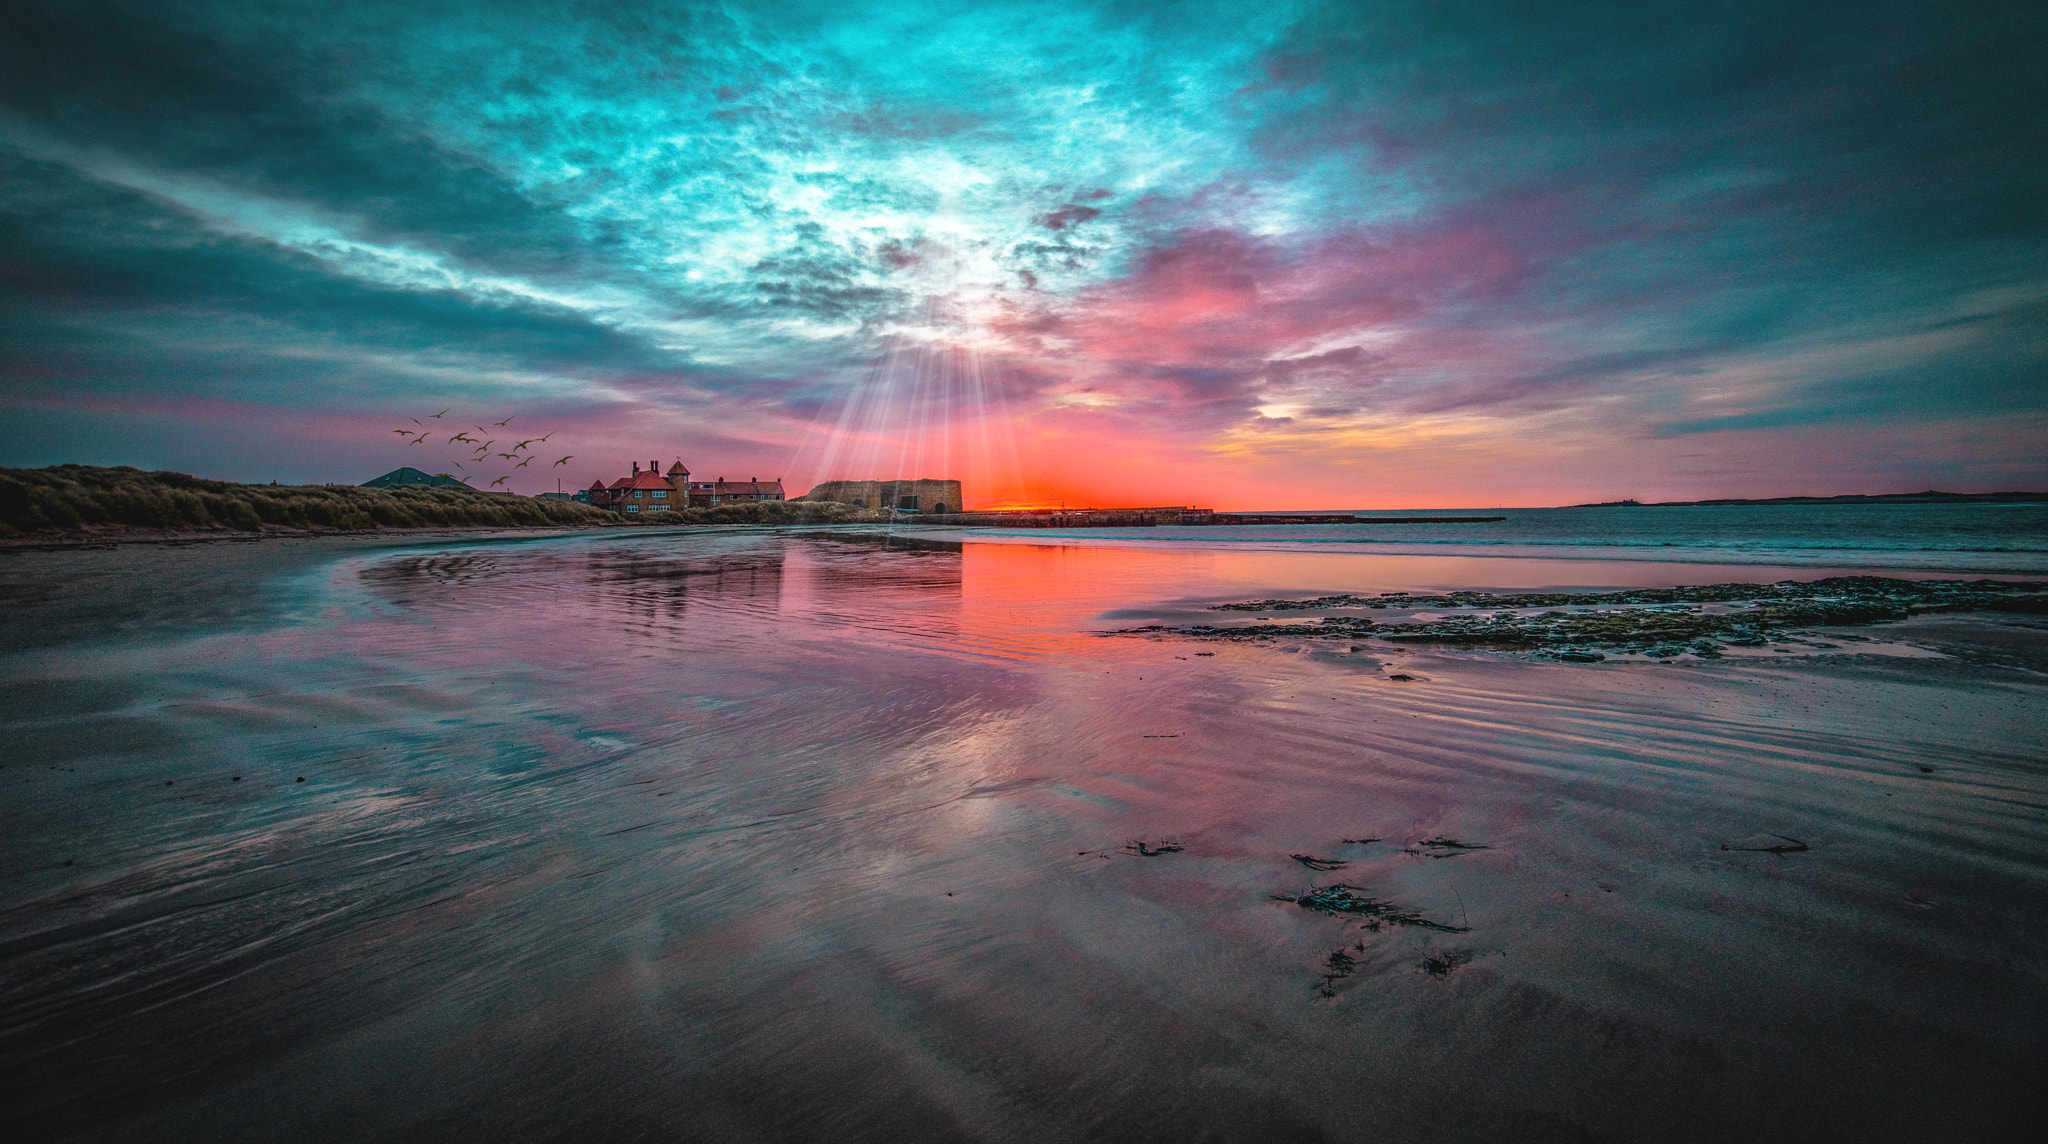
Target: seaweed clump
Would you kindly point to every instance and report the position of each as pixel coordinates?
(1444, 962)
(1339, 900)
(1442, 847)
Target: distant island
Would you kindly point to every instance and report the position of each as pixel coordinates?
(1928, 497)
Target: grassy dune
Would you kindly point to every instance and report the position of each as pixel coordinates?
(76, 497)
(767, 512)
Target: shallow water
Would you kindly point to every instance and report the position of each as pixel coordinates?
(724, 835)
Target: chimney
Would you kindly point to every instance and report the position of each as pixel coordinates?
(636, 468)
(654, 466)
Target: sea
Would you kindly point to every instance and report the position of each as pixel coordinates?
(1980, 539)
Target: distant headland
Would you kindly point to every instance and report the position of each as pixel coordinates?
(1928, 497)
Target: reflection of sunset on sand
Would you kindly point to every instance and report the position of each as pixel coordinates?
(823, 834)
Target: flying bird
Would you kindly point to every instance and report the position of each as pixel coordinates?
(563, 461)
(501, 424)
(509, 456)
(417, 422)
(403, 432)
(525, 443)
(460, 437)
(420, 440)
(437, 416)
(543, 440)
(499, 481)
(524, 463)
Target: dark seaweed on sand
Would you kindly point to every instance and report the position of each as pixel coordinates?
(1339, 901)
(1768, 844)
(1336, 967)
(1442, 847)
(1442, 963)
(1141, 848)
(1315, 863)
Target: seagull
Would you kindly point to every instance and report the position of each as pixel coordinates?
(509, 456)
(543, 440)
(563, 461)
(524, 463)
(420, 440)
(499, 481)
(525, 443)
(417, 422)
(403, 432)
(460, 437)
(501, 424)
(437, 416)
(458, 465)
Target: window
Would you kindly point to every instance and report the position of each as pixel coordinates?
(659, 494)
(632, 508)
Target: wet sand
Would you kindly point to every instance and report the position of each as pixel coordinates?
(763, 837)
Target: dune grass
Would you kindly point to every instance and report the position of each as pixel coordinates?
(765, 512)
(68, 498)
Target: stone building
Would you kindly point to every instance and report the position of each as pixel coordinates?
(915, 496)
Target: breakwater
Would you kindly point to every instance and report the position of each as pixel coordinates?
(1154, 517)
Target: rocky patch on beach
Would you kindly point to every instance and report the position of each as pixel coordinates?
(1658, 622)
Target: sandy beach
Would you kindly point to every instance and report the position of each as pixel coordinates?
(794, 835)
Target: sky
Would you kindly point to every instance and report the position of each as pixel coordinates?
(1272, 255)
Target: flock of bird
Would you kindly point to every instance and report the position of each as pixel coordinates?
(422, 431)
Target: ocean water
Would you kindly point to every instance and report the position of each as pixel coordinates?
(2009, 540)
(818, 834)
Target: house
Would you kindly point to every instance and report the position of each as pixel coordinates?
(704, 494)
(650, 490)
(409, 477)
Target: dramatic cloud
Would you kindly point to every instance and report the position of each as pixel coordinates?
(1323, 254)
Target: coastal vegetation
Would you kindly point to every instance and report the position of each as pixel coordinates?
(83, 498)
(760, 512)
(66, 498)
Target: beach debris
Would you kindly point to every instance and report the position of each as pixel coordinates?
(1140, 848)
(1339, 900)
(1402, 677)
(1926, 770)
(1359, 841)
(1315, 863)
(1768, 844)
(1442, 963)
